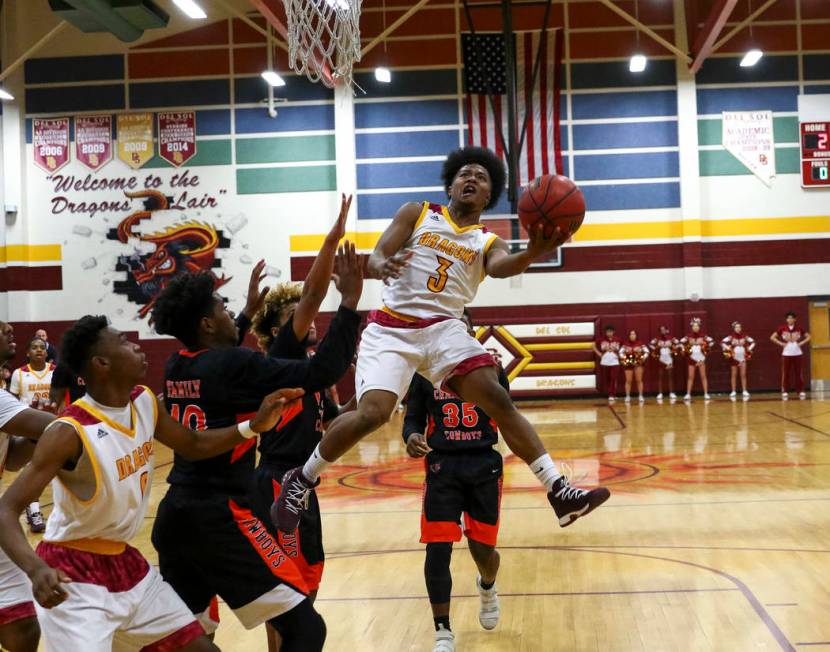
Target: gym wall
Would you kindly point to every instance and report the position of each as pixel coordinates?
(675, 227)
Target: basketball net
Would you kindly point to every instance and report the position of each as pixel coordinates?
(323, 39)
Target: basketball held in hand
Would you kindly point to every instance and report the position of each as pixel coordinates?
(555, 201)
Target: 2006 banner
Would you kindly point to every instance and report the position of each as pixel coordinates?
(93, 140)
(50, 138)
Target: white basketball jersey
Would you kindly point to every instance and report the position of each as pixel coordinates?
(30, 385)
(10, 407)
(122, 460)
(445, 270)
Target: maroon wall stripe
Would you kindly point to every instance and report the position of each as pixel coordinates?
(21, 278)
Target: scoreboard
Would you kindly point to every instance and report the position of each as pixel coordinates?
(815, 154)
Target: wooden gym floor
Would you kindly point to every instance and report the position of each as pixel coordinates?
(716, 537)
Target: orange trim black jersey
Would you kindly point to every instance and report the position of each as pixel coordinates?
(300, 429)
(215, 388)
(449, 423)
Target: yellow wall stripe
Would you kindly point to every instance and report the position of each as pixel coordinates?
(19, 253)
(634, 231)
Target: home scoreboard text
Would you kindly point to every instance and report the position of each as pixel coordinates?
(815, 154)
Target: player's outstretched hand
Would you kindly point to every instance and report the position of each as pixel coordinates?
(394, 265)
(256, 297)
(539, 245)
(272, 407)
(348, 274)
(416, 445)
(44, 404)
(338, 230)
(47, 586)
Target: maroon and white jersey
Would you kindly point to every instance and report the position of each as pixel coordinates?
(697, 345)
(665, 348)
(610, 350)
(738, 346)
(792, 337)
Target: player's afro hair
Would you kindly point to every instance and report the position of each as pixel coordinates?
(182, 304)
(486, 159)
(269, 315)
(79, 342)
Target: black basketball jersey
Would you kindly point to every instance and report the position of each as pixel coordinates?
(449, 423)
(63, 379)
(301, 428)
(215, 388)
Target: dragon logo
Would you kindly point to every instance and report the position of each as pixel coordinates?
(189, 246)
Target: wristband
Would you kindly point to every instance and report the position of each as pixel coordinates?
(245, 430)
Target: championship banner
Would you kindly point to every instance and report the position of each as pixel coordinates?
(748, 136)
(50, 138)
(135, 138)
(93, 140)
(177, 136)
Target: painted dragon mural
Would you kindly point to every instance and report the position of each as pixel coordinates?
(188, 246)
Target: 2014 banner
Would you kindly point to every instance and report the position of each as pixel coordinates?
(177, 136)
(135, 138)
(93, 140)
(50, 138)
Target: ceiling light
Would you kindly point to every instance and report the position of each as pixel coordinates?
(383, 74)
(273, 78)
(751, 58)
(638, 63)
(5, 95)
(190, 8)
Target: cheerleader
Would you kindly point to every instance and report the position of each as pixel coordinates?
(696, 346)
(737, 348)
(664, 347)
(607, 350)
(633, 355)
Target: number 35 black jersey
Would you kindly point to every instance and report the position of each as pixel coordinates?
(449, 423)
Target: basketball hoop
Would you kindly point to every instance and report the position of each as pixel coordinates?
(323, 38)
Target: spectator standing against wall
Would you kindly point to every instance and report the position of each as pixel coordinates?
(607, 349)
(791, 338)
(51, 351)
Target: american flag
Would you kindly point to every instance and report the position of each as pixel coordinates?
(485, 72)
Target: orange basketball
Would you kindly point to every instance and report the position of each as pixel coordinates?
(554, 199)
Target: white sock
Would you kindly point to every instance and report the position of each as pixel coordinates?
(545, 470)
(315, 465)
(34, 507)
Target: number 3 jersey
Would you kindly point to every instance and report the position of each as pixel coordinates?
(448, 423)
(446, 268)
(118, 452)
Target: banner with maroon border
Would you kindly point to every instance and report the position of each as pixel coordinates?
(50, 137)
(177, 136)
(135, 138)
(93, 140)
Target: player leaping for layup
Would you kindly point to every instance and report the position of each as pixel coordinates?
(432, 259)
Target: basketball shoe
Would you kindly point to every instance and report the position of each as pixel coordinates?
(444, 640)
(489, 610)
(570, 503)
(292, 501)
(35, 519)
